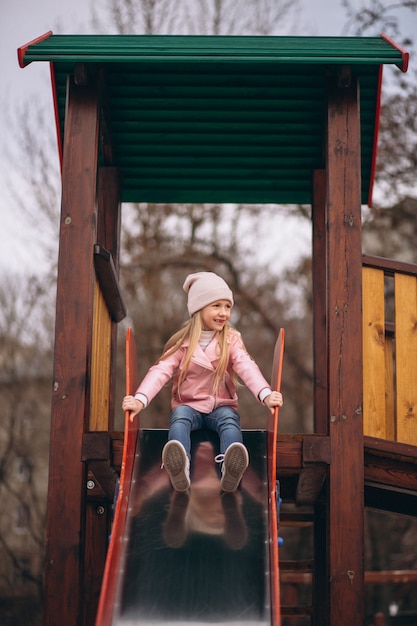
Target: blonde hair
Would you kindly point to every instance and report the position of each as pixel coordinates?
(191, 331)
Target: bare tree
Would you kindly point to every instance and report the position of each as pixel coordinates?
(397, 149)
(26, 315)
(187, 17)
(33, 181)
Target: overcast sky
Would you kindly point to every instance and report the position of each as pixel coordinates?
(23, 20)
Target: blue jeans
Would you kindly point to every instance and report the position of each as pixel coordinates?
(224, 420)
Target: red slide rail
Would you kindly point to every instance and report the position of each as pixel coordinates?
(272, 438)
(114, 555)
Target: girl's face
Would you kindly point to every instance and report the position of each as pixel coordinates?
(216, 314)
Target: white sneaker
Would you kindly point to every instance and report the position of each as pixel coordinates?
(177, 464)
(235, 461)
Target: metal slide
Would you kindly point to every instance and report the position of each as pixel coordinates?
(197, 558)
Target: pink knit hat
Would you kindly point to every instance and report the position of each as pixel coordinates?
(203, 288)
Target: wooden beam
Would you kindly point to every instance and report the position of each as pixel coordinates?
(96, 446)
(97, 529)
(109, 212)
(319, 302)
(96, 452)
(391, 449)
(393, 474)
(296, 611)
(344, 269)
(64, 580)
(316, 459)
(390, 500)
(389, 266)
(381, 577)
(294, 518)
(105, 478)
(105, 116)
(321, 583)
(316, 449)
(390, 474)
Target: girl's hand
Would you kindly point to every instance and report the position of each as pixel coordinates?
(274, 399)
(130, 403)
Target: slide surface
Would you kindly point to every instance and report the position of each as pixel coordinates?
(198, 558)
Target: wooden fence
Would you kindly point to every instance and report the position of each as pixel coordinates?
(389, 324)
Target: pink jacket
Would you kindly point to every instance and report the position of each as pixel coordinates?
(196, 389)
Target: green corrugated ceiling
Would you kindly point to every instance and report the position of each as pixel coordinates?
(220, 119)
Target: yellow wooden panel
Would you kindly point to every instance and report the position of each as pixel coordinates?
(100, 363)
(373, 327)
(406, 357)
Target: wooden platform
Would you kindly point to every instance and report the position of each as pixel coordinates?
(302, 470)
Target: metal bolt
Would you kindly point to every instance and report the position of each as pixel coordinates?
(68, 220)
(100, 510)
(90, 484)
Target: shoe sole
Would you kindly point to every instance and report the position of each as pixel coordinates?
(236, 461)
(174, 459)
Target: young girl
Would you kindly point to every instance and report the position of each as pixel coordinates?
(204, 358)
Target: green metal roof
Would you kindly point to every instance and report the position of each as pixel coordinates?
(221, 119)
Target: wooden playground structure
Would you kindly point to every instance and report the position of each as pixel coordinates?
(230, 119)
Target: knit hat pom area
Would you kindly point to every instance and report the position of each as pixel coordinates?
(203, 288)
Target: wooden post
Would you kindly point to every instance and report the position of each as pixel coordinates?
(346, 490)
(65, 522)
(320, 590)
(319, 300)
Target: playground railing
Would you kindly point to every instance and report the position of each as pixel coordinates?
(389, 325)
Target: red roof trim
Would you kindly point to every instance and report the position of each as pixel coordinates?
(22, 50)
(56, 113)
(376, 133)
(405, 55)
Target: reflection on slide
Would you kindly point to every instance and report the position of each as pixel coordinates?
(197, 558)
